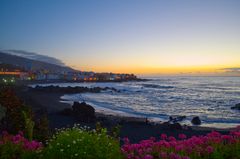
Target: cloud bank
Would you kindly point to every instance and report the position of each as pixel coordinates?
(233, 70)
(35, 56)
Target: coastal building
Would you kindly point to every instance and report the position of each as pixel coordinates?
(52, 76)
(44, 74)
(24, 76)
(40, 76)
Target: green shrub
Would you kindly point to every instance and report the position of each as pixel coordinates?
(115, 131)
(29, 125)
(15, 151)
(14, 119)
(82, 143)
(41, 129)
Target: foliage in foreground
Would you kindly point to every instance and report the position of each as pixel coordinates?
(13, 119)
(16, 116)
(17, 146)
(81, 143)
(212, 146)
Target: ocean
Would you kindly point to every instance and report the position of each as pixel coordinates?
(210, 98)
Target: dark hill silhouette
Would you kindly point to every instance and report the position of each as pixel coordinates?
(34, 56)
(33, 65)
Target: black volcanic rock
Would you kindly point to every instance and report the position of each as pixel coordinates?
(69, 89)
(176, 119)
(237, 106)
(174, 126)
(196, 120)
(66, 112)
(84, 112)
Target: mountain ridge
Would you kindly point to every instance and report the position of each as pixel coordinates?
(34, 56)
(32, 65)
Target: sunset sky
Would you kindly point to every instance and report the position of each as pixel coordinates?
(200, 37)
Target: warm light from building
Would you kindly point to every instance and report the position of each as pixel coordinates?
(9, 73)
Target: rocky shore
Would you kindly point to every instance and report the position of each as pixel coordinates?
(64, 115)
(69, 90)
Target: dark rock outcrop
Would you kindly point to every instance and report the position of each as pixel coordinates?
(66, 112)
(69, 89)
(84, 112)
(196, 121)
(237, 106)
(176, 119)
(174, 126)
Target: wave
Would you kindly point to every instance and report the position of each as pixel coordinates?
(208, 98)
(157, 86)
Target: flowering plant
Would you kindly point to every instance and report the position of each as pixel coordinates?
(17, 146)
(80, 142)
(214, 145)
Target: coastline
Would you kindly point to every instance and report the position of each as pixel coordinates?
(74, 92)
(136, 128)
(26, 82)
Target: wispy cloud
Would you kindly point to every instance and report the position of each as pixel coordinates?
(233, 70)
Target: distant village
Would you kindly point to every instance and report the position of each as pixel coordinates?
(10, 73)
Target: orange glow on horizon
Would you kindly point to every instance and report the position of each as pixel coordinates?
(194, 70)
(169, 61)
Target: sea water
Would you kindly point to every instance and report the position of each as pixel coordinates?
(210, 98)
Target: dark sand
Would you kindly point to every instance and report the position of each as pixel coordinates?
(135, 129)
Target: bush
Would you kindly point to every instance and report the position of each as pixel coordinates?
(14, 119)
(18, 147)
(41, 129)
(29, 125)
(82, 143)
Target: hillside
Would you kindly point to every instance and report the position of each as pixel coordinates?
(34, 56)
(29, 64)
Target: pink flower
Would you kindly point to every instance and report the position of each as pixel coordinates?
(226, 137)
(237, 128)
(20, 133)
(182, 136)
(126, 141)
(163, 136)
(32, 145)
(174, 156)
(21, 141)
(130, 156)
(171, 138)
(214, 134)
(148, 157)
(210, 149)
(235, 134)
(153, 138)
(170, 148)
(140, 151)
(5, 133)
(163, 155)
(17, 139)
(179, 148)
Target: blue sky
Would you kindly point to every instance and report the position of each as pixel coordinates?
(140, 36)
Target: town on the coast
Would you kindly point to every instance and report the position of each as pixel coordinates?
(11, 73)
